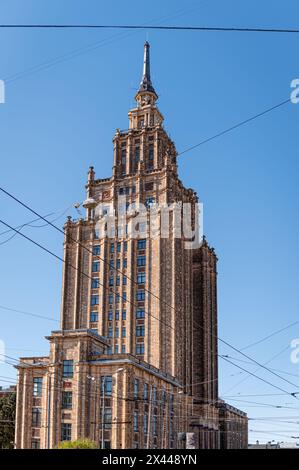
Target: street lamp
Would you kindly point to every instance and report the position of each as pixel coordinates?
(103, 405)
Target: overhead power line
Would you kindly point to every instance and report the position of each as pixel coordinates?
(243, 369)
(255, 343)
(230, 29)
(148, 313)
(259, 378)
(35, 315)
(235, 126)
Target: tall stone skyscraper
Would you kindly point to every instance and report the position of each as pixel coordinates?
(135, 361)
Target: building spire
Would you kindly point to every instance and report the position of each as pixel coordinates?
(146, 83)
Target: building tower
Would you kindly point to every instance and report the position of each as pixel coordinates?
(134, 363)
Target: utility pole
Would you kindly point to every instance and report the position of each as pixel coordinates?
(49, 413)
(95, 410)
(103, 410)
(94, 380)
(149, 419)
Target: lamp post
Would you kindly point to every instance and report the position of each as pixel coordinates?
(93, 379)
(103, 393)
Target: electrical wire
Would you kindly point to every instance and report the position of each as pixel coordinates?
(151, 27)
(148, 313)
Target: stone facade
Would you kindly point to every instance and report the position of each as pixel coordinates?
(135, 361)
(233, 427)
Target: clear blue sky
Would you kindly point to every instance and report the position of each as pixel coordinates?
(59, 119)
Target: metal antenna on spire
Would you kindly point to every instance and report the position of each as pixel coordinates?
(146, 83)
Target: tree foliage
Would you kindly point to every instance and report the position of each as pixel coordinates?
(79, 444)
(7, 420)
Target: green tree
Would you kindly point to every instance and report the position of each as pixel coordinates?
(7, 420)
(79, 444)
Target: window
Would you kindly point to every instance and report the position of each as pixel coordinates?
(140, 296)
(124, 296)
(96, 234)
(67, 400)
(36, 417)
(112, 248)
(145, 391)
(109, 350)
(96, 250)
(106, 384)
(111, 281)
(140, 314)
(106, 210)
(124, 314)
(117, 332)
(95, 300)
(95, 267)
(163, 397)
(149, 202)
(107, 418)
(119, 247)
(37, 386)
(137, 154)
(110, 315)
(68, 368)
(141, 261)
(95, 283)
(151, 151)
(125, 263)
(123, 348)
(118, 264)
(125, 246)
(123, 156)
(135, 421)
(140, 330)
(145, 424)
(155, 425)
(140, 349)
(118, 281)
(154, 391)
(110, 298)
(111, 264)
(94, 316)
(117, 315)
(117, 298)
(141, 278)
(136, 388)
(66, 432)
(116, 349)
(123, 332)
(35, 444)
(125, 280)
(141, 244)
(110, 332)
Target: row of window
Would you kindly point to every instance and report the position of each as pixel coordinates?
(95, 298)
(116, 332)
(94, 316)
(117, 283)
(154, 423)
(141, 245)
(141, 278)
(116, 349)
(139, 349)
(141, 261)
(140, 331)
(140, 295)
(106, 384)
(127, 190)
